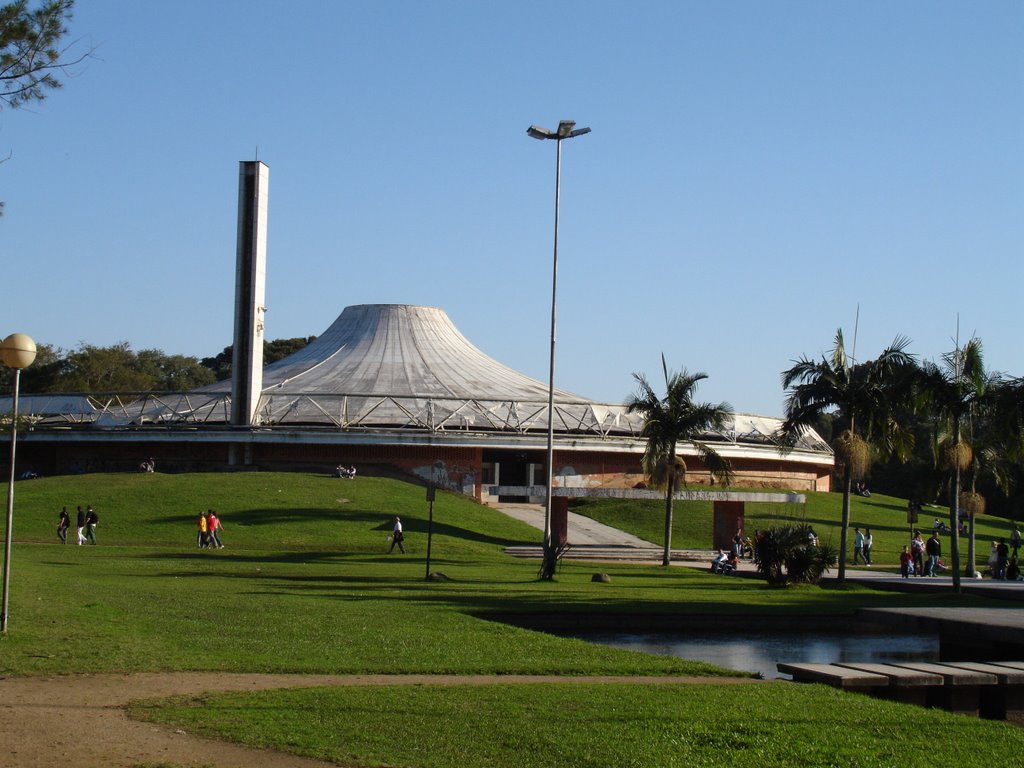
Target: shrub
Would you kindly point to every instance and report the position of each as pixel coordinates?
(790, 554)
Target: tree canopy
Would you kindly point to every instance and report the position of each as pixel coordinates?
(31, 56)
(273, 351)
(91, 369)
(867, 398)
(30, 52)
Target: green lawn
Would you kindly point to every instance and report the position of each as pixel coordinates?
(886, 516)
(595, 726)
(305, 585)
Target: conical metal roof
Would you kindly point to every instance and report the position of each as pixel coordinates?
(404, 366)
(400, 350)
(399, 366)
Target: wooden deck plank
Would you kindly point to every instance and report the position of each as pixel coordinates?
(1006, 675)
(898, 676)
(832, 674)
(953, 675)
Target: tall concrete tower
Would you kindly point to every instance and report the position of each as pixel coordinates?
(250, 291)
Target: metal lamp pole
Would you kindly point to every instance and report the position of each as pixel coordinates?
(566, 130)
(17, 352)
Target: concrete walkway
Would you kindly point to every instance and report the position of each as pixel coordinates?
(883, 579)
(591, 540)
(582, 530)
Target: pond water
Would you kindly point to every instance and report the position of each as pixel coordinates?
(760, 651)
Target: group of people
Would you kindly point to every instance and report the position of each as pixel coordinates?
(743, 546)
(940, 525)
(1001, 564)
(862, 543)
(208, 530)
(912, 558)
(85, 522)
(725, 562)
(347, 473)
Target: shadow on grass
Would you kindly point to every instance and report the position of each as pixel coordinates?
(375, 521)
(422, 527)
(264, 517)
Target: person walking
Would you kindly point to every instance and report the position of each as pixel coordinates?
(917, 552)
(397, 536)
(80, 524)
(868, 543)
(63, 524)
(214, 525)
(858, 545)
(202, 531)
(934, 549)
(1002, 556)
(91, 521)
(1015, 540)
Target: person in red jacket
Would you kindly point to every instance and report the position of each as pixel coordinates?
(213, 526)
(906, 561)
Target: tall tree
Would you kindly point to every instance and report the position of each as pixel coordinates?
(115, 368)
(91, 369)
(41, 376)
(30, 52)
(670, 422)
(952, 391)
(1008, 421)
(866, 398)
(30, 56)
(173, 373)
(993, 431)
(273, 351)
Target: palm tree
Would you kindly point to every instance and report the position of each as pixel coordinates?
(952, 392)
(993, 432)
(671, 422)
(1006, 420)
(866, 398)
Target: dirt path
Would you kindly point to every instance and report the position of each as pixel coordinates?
(79, 721)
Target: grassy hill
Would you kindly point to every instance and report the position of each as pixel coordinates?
(305, 585)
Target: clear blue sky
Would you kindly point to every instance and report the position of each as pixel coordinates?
(756, 172)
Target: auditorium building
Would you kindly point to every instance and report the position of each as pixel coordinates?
(386, 387)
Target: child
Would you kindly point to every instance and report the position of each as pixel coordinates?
(906, 562)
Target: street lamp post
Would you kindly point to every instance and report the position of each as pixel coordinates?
(17, 351)
(566, 130)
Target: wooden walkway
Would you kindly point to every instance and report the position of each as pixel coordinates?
(994, 691)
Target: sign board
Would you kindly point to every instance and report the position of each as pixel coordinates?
(912, 512)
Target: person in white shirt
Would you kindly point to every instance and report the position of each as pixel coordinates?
(397, 537)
